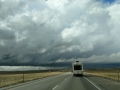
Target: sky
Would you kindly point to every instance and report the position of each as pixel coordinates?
(56, 32)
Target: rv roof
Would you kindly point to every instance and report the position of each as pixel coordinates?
(77, 63)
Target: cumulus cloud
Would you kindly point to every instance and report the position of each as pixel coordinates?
(42, 32)
(10, 8)
(23, 68)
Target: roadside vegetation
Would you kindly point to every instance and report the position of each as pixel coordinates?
(10, 78)
(111, 73)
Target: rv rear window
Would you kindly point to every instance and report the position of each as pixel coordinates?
(77, 67)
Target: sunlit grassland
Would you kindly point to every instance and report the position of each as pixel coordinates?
(10, 79)
(111, 73)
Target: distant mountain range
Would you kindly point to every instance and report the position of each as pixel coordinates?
(62, 65)
(101, 65)
(86, 65)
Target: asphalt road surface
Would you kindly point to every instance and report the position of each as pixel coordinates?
(68, 82)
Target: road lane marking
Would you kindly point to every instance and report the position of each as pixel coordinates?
(55, 87)
(92, 83)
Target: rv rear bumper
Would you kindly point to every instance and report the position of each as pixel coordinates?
(77, 74)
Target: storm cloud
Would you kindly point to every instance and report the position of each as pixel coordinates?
(42, 32)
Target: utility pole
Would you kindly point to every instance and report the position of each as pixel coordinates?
(118, 77)
(104, 70)
(23, 77)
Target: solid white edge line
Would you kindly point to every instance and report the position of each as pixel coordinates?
(92, 83)
(55, 87)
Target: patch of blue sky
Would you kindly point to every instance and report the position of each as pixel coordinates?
(37, 6)
(107, 1)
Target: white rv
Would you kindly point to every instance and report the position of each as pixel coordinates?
(77, 68)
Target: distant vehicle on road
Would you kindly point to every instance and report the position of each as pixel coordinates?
(77, 68)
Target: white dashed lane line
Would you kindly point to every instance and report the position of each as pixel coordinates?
(92, 83)
(55, 87)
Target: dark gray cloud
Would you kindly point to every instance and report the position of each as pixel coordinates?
(11, 7)
(6, 34)
(48, 32)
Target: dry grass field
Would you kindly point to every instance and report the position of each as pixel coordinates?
(9, 79)
(107, 73)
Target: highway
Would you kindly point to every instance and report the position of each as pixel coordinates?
(67, 82)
